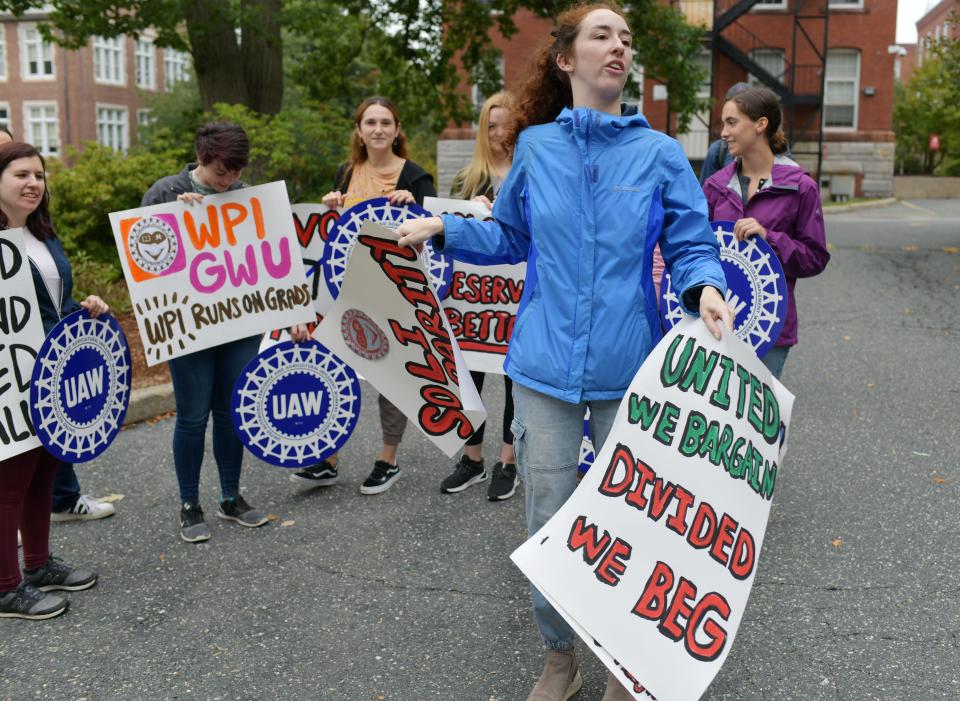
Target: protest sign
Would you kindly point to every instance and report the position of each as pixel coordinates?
(295, 404)
(344, 232)
(203, 274)
(653, 557)
(312, 223)
(483, 300)
(388, 325)
(21, 333)
(81, 386)
(756, 289)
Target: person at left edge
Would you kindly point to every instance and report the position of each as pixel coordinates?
(26, 480)
(69, 503)
(203, 381)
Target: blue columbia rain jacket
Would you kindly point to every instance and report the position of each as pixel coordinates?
(586, 200)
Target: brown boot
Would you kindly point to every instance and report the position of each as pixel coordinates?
(560, 679)
(615, 690)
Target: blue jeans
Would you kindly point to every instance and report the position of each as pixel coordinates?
(775, 359)
(66, 488)
(203, 383)
(546, 436)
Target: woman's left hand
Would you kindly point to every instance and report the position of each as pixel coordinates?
(401, 197)
(95, 306)
(714, 310)
(745, 228)
(299, 333)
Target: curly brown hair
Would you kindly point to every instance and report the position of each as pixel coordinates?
(546, 90)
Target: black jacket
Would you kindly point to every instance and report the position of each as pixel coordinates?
(412, 177)
(166, 189)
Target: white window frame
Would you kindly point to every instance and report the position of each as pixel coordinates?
(845, 4)
(40, 141)
(25, 49)
(753, 80)
(143, 116)
(4, 64)
(180, 60)
(109, 60)
(766, 6)
(123, 124)
(145, 59)
(856, 91)
(8, 122)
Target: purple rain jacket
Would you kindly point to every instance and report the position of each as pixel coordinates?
(788, 207)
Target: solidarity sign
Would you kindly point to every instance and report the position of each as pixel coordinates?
(483, 300)
(81, 387)
(295, 404)
(756, 289)
(388, 325)
(203, 274)
(343, 237)
(21, 333)
(653, 557)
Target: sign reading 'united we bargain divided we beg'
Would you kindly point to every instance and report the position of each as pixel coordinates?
(652, 559)
(203, 274)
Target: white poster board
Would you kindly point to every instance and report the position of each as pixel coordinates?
(388, 325)
(204, 274)
(653, 557)
(483, 300)
(21, 335)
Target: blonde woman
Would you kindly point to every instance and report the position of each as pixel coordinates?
(481, 180)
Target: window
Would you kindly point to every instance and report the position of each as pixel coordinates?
(846, 4)
(771, 5)
(5, 120)
(143, 117)
(146, 65)
(841, 87)
(112, 127)
(478, 97)
(108, 60)
(3, 51)
(175, 67)
(770, 60)
(36, 55)
(41, 127)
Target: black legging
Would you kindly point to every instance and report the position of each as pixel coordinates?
(477, 437)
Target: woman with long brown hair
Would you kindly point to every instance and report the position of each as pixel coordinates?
(592, 190)
(378, 167)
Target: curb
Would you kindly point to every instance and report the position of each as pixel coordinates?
(840, 208)
(148, 402)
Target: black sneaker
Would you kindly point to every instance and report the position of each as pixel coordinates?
(193, 528)
(237, 509)
(381, 479)
(58, 575)
(321, 475)
(26, 601)
(504, 482)
(465, 473)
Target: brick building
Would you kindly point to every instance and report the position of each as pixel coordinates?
(52, 97)
(936, 25)
(831, 62)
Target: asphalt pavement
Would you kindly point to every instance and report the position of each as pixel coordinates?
(411, 596)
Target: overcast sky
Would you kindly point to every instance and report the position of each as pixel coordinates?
(908, 12)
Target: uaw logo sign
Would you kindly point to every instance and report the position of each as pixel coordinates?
(343, 236)
(81, 387)
(756, 289)
(363, 336)
(153, 246)
(295, 404)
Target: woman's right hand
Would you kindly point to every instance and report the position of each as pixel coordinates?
(333, 200)
(484, 200)
(190, 197)
(413, 232)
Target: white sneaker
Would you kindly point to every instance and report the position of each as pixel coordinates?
(86, 509)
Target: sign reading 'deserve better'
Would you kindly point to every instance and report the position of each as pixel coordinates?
(203, 274)
(653, 557)
(21, 333)
(388, 325)
(483, 300)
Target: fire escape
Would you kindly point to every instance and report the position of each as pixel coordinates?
(800, 85)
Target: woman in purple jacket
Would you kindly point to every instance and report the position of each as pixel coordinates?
(768, 195)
